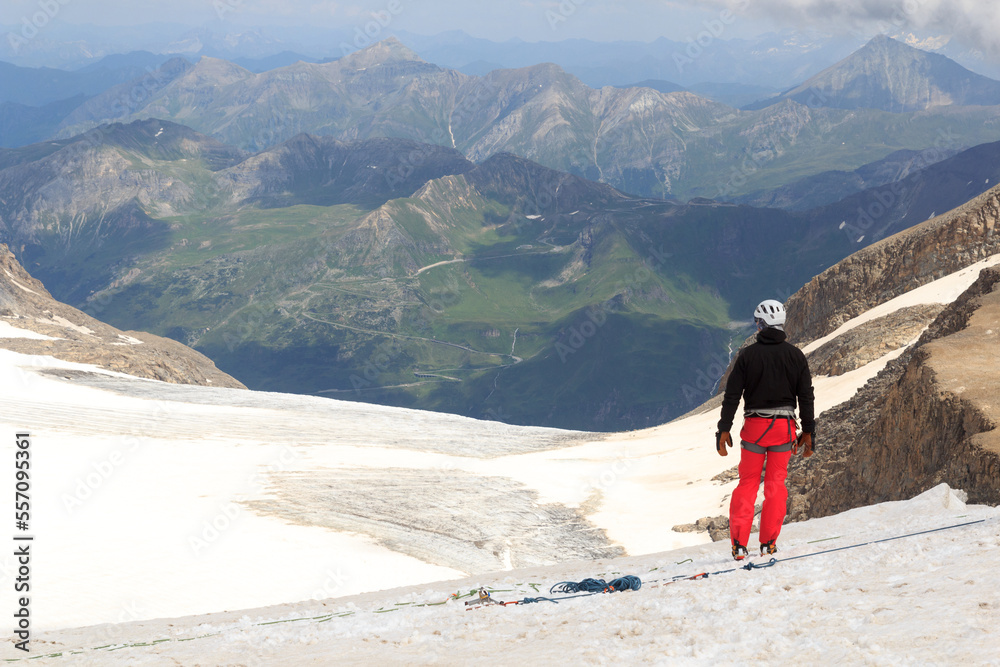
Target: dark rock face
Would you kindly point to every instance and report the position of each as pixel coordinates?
(929, 417)
(895, 266)
(70, 335)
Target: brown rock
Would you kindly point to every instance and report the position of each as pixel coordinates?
(26, 304)
(872, 340)
(717, 527)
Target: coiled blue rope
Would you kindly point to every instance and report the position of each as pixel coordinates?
(627, 583)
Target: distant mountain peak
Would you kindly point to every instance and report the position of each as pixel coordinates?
(881, 45)
(881, 38)
(218, 70)
(890, 75)
(388, 50)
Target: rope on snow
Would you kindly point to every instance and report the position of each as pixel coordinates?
(627, 583)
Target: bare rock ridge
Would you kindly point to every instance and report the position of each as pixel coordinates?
(929, 417)
(894, 266)
(872, 340)
(63, 332)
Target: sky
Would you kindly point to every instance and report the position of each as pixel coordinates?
(974, 23)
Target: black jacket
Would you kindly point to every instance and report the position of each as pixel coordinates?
(771, 373)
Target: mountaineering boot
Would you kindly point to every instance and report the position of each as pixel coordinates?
(739, 551)
(768, 548)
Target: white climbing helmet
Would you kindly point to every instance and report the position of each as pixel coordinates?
(770, 313)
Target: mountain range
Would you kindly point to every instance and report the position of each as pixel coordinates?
(639, 140)
(480, 279)
(905, 354)
(164, 228)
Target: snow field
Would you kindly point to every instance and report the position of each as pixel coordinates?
(927, 599)
(156, 523)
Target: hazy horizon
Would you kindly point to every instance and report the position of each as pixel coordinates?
(975, 25)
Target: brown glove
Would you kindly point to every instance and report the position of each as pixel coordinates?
(805, 441)
(722, 440)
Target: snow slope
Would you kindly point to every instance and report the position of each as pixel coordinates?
(931, 599)
(158, 501)
(154, 500)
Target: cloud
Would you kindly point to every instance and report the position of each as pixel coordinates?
(976, 23)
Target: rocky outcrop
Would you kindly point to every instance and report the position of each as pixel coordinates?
(929, 417)
(717, 527)
(895, 266)
(51, 328)
(83, 192)
(872, 340)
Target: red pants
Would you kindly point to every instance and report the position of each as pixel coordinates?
(745, 495)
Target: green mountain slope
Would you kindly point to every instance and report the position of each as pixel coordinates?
(504, 290)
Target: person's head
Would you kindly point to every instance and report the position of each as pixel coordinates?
(769, 313)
